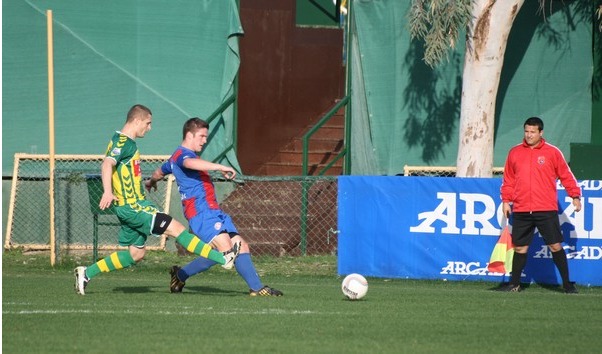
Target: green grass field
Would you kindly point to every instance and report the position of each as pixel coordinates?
(132, 311)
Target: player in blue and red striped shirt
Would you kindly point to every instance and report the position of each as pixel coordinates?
(139, 217)
(202, 211)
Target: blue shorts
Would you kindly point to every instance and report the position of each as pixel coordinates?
(211, 223)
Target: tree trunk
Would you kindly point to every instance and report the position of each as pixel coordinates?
(485, 47)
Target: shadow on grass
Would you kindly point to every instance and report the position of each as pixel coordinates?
(135, 289)
(212, 291)
(525, 286)
(502, 285)
(554, 288)
(189, 289)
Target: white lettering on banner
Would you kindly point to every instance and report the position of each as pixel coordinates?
(446, 212)
(479, 223)
(578, 221)
(470, 268)
(463, 268)
(544, 252)
(471, 218)
(588, 253)
(594, 185)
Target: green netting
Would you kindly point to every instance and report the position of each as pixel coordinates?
(79, 222)
(77, 189)
(180, 58)
(413, 112)
(276, 215)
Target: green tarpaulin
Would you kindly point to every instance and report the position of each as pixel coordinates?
(405, 113)
(179, 58)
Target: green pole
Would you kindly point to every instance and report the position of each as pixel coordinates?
(305, 185)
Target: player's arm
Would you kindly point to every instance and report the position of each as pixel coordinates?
(568, 180)
(506, 209)
(157, 175)
(106, 174)
(507, 188)
(203, 165)
(577, 203)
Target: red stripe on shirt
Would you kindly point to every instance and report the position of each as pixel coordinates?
(175, 155)
(189, 208)
(209, 190)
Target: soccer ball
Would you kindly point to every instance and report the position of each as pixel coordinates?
(354, 286)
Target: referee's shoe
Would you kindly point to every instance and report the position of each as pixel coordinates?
(570, 288)
(510, 288)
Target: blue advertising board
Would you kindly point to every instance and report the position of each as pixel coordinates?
(446, 228)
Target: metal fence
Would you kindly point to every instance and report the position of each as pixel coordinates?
(78, 222)
(441, 171)
(276, 215)
(285, 215)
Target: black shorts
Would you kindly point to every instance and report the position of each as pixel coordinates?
(524, 224)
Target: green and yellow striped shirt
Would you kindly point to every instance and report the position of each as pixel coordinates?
(127, 175)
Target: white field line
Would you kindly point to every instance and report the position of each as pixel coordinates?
(205, 312)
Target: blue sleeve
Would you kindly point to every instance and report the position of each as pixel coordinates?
(177, 159)
(166, 167)
(185, 154)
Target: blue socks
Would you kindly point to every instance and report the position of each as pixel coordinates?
(244, 267)
(198, 265)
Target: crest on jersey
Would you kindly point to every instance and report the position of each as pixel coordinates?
(116, 151)
(541, 160)
(217, 226)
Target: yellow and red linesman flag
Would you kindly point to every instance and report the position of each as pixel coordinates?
(503, 252)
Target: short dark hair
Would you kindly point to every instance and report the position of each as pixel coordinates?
(136, 110)
(192, 125)
(534, 121)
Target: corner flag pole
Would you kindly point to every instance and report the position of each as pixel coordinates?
(51, 132)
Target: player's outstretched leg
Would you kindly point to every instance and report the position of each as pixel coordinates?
(246, 269)
(115, 261)
(231, 255)
(194, 245)
(179, 275)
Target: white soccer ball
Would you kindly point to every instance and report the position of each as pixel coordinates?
(354, 286)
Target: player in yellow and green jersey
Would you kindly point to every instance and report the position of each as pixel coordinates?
(122, 184)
